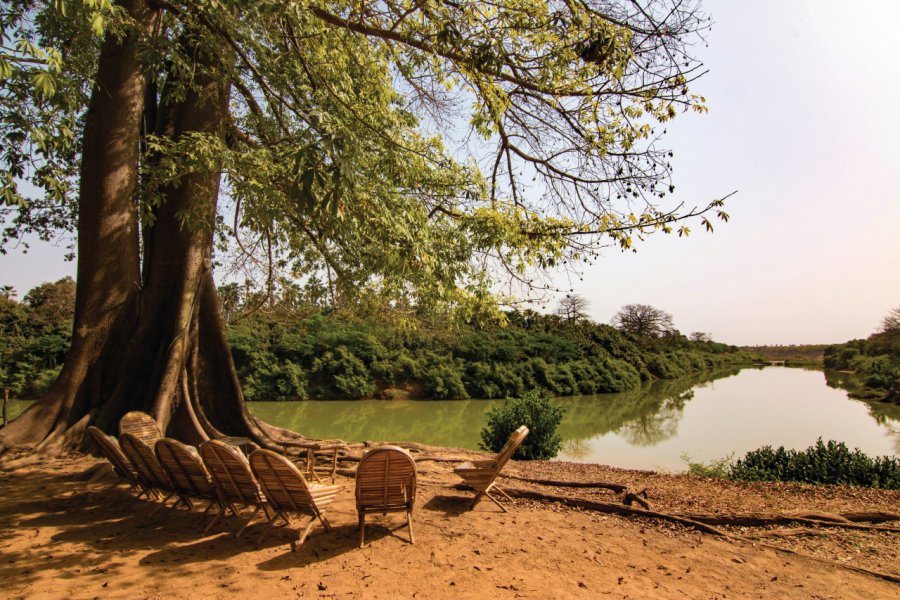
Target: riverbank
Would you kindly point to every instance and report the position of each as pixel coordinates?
(65, 537)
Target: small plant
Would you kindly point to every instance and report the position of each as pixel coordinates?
(719, 468)
(534, 411)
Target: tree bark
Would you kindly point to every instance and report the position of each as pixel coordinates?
(108, 262)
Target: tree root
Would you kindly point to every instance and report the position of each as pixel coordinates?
(831, 563)
(619, 509)
(846, 521)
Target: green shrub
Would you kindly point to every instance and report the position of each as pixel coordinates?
(534, 411)
(825, 462)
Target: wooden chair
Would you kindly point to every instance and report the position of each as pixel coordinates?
(153, 477)
(234, 482)
(142, 426)
(188, 475)
(385, 482)
(287, 491)
(120, 463)
(481, 475)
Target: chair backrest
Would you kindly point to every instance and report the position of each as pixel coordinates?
(144, 461)
(386, 478)
(282, 482)
(110, 449)
(185, 468)
(140, 425)
(510, 447)
(231, 473)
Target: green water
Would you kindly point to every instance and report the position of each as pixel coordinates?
(650, 428)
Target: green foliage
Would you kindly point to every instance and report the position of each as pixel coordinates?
(876, 360)
(34, 336)
(534, 410)
(825, 462)
(717, 468)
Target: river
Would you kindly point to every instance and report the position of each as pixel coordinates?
(654, 427)
(707, 418)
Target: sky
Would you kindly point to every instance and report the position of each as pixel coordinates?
(804, 123)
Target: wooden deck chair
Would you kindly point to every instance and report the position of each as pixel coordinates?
(288, 491)
(142, 426)
(481, 475)
(154, 478)
(385, 482)
(120, 463)
(234, 482)
(188, 475)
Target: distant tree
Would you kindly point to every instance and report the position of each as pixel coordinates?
(643, 320)
(699, 336)
(573, 307)
(53, 303)
(891, 322)
(229, 300)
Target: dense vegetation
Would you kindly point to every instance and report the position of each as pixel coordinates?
(296, 350)
(533, 410)
(875, 360)
(793, 354)
(350, 356)
(34, 336)
(824, 463)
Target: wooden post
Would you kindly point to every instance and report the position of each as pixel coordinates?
(5, 400)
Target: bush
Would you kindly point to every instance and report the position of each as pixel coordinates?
(826, 462)
(534, 411)
(718, 468)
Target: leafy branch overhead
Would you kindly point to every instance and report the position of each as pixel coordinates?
(412, 147)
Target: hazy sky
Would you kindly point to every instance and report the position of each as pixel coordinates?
(804, 122)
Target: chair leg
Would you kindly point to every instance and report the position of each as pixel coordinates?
(241, 530)
(412, 540)
(362, 529)
(324, 521)
(296, 545)
(215, 518)
(505, 495)
(476, 500)
(497, 502)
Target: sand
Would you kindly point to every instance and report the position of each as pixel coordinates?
(63, 537)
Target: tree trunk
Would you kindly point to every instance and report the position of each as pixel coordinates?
(108, 262)
(151, 341)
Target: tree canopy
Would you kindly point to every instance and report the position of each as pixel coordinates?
(340, 156)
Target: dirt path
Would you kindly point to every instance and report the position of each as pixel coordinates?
(64, 538)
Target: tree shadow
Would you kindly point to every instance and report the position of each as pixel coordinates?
(451, 506)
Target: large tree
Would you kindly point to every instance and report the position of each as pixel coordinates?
(336, 125)
(643, 320)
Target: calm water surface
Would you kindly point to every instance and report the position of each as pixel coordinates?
(649, 428)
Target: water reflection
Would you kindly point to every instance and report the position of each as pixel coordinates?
(886, 414)
(644, 417)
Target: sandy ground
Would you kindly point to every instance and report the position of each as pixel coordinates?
(61, 537)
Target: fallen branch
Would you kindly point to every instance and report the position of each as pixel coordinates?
(616, 487)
